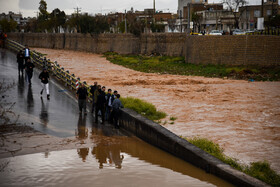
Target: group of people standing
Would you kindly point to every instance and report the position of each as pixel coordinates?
(106, 104)
(25, 63)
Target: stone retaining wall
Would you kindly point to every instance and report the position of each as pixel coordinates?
(229, 50)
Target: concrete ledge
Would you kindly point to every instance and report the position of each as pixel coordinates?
(162, 138)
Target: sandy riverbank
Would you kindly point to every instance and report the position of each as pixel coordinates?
(243, 117)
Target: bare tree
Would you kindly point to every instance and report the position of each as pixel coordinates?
(233, 6)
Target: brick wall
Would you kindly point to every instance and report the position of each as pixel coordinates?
(233, 50)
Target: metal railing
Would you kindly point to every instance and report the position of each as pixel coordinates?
(53, 68)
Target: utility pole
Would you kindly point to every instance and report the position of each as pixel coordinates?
(216, 18)
(125, 26)
(77, 10)
(189, 19)
(154, 6)
(262, 8)
(37, 14)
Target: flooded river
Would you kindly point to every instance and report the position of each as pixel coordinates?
(242, 117)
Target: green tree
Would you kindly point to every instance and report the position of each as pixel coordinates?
(57, 20)
(42, 21)
(134, 25)
(8, 26)
(88, 24)
(274, 21)
(155, 27)
(31, 25)
(196, 18)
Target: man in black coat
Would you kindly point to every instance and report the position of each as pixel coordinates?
(29, 66)
(44, 76)
(20, 61)
(100, 105)
(81, 95)
(92, 90)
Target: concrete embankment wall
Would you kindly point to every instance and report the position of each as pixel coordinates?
(159, 136)
(230, 50)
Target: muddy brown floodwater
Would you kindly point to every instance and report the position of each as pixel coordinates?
(242, 117)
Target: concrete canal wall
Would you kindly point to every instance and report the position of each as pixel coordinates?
(162, 138)
(230, 50)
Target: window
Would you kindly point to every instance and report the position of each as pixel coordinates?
(247, 14)
(257, 13)
(268, 12)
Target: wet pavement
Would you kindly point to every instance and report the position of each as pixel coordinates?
(113, 158)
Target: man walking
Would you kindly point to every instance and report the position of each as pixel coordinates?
(26, 53)
(20, 59)
(29, 66)
(81, 95)
(44, 76)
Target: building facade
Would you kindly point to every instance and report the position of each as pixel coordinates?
(183, 3)
(249, 14)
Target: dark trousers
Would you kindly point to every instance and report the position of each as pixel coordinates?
(108, 112)
(20, 68)
(26, 58)
(93, 106)
(29, 76)
(82, 105)
(115, 115)
(101, 108)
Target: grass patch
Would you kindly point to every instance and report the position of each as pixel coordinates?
(142, 107)
(177, 66)
(259, 170)
(172, 118)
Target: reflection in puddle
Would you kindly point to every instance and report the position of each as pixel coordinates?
(63, 168)
(119, 161)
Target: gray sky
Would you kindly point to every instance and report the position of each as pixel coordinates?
(30, 7)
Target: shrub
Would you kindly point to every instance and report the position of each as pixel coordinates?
(142, 107)
(259, 170)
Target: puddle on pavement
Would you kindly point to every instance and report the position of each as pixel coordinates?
(102, 167)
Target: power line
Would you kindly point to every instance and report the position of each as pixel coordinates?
(77, 10)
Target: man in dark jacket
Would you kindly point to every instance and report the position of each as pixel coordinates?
(117, 104)
(44, 76)
(20, 61)
(29, 66)
(100, 104)
(92, 90)
(107, 107)
(81, 95)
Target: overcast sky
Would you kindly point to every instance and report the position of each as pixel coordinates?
(30, 7)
